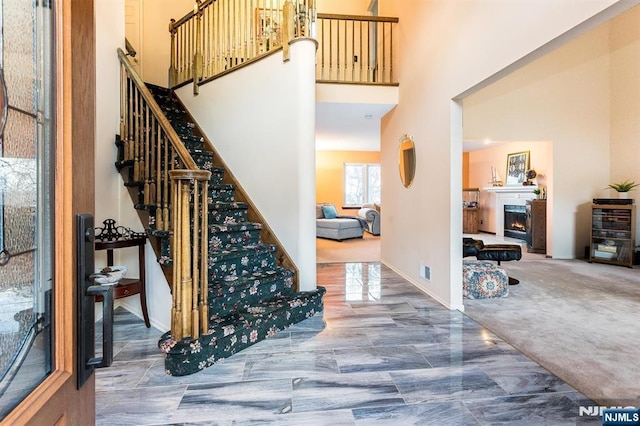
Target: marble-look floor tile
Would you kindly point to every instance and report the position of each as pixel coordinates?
(534, 410)
(382, 352)
(525, 379)
(407, 336)
(140, 406)
(290, 364)
(462, 353)
(445, 384)
(320, 418)
(229, 370)
(139, 349)
(382, 308)
(386, 358)
(122, 375)
(425, 317)
(337, 338)
(235, 400)
(438, 413)
(361, 321)
(344, 391)
(127, 326)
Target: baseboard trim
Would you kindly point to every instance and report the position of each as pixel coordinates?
(423, 289)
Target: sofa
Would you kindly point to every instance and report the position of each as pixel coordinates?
(336, 227)
(371, 215)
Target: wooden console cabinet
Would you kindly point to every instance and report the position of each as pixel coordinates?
(470, 210)
(470, 220)
(128, 286)
(536, 225)
(613, 233)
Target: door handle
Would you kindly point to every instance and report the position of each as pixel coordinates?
(86, 292)
(107, 323)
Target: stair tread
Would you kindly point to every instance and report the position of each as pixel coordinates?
(227, 205)
(234, 227)
(236, 251)
(264, 276)
(222, 186)
(219, 327)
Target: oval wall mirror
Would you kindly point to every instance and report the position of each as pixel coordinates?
(407, 160)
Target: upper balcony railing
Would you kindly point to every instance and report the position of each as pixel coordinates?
(355, 49)
(219, 35)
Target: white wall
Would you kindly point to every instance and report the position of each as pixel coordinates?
(447, 48)
(156, 15)
(112, 199)
(562, 97)
(261, 119)
(350, 7)
(625, 101)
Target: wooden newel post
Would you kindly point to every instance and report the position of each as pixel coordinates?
(189, 224)
(197, 56)
(288, 27)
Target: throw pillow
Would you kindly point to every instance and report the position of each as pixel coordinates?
(319, 214)
(329, 212)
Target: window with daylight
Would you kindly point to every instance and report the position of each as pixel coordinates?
(361, 183)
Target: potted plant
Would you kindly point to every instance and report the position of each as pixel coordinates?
(622, 188)
(538, 193)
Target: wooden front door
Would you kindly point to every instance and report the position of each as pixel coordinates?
(48, 62)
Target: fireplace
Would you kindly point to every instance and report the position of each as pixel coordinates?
(501, 196)
(515, 221)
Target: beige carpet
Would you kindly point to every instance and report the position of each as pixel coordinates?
(579, 320)
(366, 249)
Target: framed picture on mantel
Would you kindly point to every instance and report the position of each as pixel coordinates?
(517, 166)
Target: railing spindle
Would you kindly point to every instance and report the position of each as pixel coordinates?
(170, 178)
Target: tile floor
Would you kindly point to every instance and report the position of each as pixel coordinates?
(382, 353)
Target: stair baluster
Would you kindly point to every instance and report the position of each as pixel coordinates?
(230, 287)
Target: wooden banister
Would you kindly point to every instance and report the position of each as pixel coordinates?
(177, 191)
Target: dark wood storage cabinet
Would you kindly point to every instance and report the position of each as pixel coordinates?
(536, 226)
(470, 220)
(470, 210)
(613, 234)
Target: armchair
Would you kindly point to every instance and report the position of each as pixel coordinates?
(372, 216)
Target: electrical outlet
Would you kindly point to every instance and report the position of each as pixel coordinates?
(425, 272)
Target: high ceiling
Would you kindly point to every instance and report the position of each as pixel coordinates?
(356, 127)
(349, 126)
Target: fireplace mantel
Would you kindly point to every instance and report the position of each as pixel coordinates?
(508, 195)
(513, 189)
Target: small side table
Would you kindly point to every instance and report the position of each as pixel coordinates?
(127, 286)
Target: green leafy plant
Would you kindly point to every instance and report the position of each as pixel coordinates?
(537, 191)
(625, 186)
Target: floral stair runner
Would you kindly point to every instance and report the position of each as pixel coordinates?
(250, 297)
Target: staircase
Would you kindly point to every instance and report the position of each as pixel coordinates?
(250, 297)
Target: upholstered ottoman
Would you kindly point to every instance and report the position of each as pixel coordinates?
(338, 228)
(482, 280)
(496, 252)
